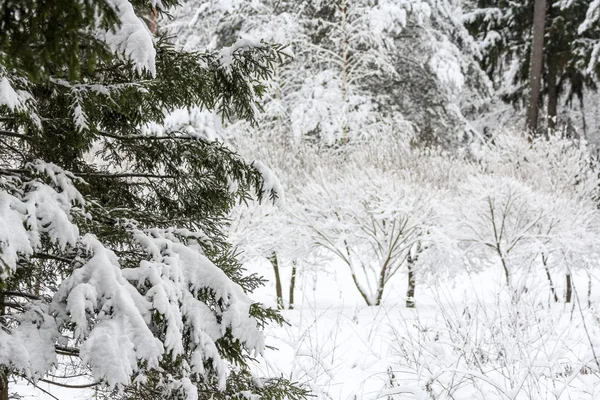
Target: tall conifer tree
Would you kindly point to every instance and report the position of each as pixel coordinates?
(571, 65)
(111, 243)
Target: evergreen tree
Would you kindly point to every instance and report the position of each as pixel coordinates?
(571, 47)
(438, 86)
(111, 236)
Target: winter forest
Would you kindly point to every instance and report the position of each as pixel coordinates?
(300, 199)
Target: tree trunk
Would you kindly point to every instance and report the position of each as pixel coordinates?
(381, 284)
(536, 64)
(504, 265)
(552, 94)
(278, 291)
(363, 293)
(345, 68)
(552, 289)
(357, 284)
(569, 293)
(589, 289)
(410, 291)
(583, 122)
(292, 285)
(3, 371)
(3, 385)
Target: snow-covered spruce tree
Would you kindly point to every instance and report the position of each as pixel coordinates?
(438, 85)
(112, 252)
(571, 49)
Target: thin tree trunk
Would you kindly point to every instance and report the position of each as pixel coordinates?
(552, 289)
(506, 271)
(3, 371)
(345, 68)
(292, 285)
(381, 284)
(410, 291)
(278, 290)
(3, 385)
(362, 292)
(569, 293)
(583, 122)
(536, 64)
(589, 289)
(552, 94)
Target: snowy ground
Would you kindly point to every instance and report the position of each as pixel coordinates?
(466, 340)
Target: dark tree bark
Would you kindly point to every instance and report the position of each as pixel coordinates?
(552, 289)
(410, 291)
(3, 385)
(583, 122)
(278, 291)
(3, 371)
(292, 286)
(536, 64)
(569, 293)
(589, 289)
(552, 94)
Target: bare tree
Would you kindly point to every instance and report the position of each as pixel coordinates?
(372, 221)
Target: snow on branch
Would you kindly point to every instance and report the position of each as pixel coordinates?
(131, 39)
(226, 54)
(271, 185)
(31, 208)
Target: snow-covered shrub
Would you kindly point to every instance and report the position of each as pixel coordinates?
(496, 223)
(532, 204)
(496, 349)
(372, 220)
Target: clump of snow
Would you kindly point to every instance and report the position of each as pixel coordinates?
(271, 185)
(14, 238)
(33, 208)
(193, 122)
(592, 16)
(132, 38)
(391, 15)
(8, 96)
(120, 335)
(29, 347)
(446, 64)
(226, 54)
(177, 273)
(17, 100)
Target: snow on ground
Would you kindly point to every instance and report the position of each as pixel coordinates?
(466, 340)
(28, 392)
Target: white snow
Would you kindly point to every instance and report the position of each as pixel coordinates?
(8, 96)
(131, 39)
(271, 187)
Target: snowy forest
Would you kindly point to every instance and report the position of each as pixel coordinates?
(300, 199)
